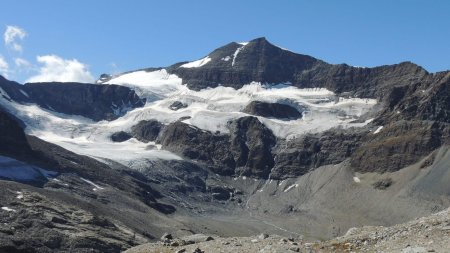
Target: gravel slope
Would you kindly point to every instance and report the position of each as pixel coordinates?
(427, 234)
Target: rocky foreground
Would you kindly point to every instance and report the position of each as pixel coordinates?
(427, 234)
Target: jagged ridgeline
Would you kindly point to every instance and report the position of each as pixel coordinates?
(250, 138)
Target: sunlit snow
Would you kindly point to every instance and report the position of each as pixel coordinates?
(210, 109)
(378, 130)
(19, 195)
(96, 186)
(291, 187)
(237, 52)
(5, 208)
(196, 64)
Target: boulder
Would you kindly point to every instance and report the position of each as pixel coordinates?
(93, 101)
(166, 236)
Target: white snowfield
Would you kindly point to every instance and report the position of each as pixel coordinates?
(197, 63)
(209, 109)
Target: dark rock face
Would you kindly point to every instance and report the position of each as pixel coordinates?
(194, 143)
(428, 99)
(177, 105)
(257, 61)
(398, 145)
(97, 102)
(416, 119)
(251, 146)
(298, 156)
(147, 130)
(360, 82)
(246, 151)
(272, 110)
(120, 136)
(12, 138)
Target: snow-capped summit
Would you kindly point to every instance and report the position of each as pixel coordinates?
(240, 63)
(236, 64)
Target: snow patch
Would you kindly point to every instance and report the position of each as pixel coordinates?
(24, 93)
(197, 63)
(237, 52)
(3, 93)
(356, 179)
(369, 120)
(5, 208)
(96, 187)
(19, 195)
(291, 187)
(378, 130)
(227, 58)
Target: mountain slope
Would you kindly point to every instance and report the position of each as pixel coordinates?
(250, 138)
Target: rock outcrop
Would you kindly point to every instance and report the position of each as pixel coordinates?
(93, 101)
(197, 144)
(272, 110)
(398, 145)
(120, 136)
(298, 156)
(245, 151)
(146, 130)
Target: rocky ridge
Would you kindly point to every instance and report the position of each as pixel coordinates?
(96, 102)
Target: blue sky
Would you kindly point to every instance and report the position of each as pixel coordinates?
(105, 36)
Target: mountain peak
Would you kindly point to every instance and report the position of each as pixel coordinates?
(236, 64)
(259, 40)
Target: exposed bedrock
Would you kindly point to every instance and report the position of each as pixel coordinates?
(93, 101)
(245, 151)
(147, 130)
(398, 145)
(272, 110)
(298, 156)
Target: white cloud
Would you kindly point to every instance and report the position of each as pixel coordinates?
(12, 36)
(55, 68)
(20, 62)
(4, 67)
